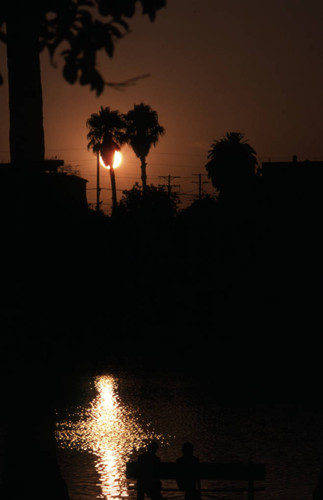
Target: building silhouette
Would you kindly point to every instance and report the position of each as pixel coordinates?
(294, 188)
(44, 189)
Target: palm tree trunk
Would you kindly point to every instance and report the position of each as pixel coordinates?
(114, 190)
(143, 174)
(98, 181)
(25, 91)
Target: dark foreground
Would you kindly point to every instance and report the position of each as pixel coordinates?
(232, 301)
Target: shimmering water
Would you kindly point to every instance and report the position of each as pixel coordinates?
(119, 413)
(109, 430)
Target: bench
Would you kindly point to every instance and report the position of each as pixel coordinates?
(244, 472)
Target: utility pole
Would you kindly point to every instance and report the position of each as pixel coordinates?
(199, 182)
(114, 190)
(169, 185)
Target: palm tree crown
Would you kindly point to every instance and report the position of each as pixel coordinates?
(142, 131)
(106, 125)
(232, 164)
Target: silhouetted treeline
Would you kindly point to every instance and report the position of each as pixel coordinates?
(215, 284)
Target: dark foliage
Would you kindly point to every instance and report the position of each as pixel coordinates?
(156, 205)
(202, 210)
(231, 166)
(84, 27)
(106, 123)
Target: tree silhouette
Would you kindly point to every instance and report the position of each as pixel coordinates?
(106, 122)
(232, 166)
(106, 135)
(156, 205)
(82, 28)
(143, 131)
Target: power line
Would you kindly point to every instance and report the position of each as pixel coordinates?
(169, 184)
(200, 182)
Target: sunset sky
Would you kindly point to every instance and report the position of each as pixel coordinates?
(254, 67)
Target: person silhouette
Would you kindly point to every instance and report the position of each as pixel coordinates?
(148, 481)
(187, 476)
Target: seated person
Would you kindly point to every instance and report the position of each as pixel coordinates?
(148, 481)
(188, 474)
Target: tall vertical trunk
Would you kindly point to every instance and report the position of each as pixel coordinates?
(98, 181)
(25, 91)
(143, 174)
(114, 190)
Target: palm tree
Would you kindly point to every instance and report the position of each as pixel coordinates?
(142, 131)
(232, 166)
(84, 28)
(106, 135)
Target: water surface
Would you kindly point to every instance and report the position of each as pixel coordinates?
(118, 413)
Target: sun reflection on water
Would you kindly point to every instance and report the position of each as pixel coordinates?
(109, 430)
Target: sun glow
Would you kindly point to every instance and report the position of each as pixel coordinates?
(116, 160)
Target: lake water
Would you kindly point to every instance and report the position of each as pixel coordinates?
(116, 414)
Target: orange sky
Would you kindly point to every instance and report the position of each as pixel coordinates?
(215, 66)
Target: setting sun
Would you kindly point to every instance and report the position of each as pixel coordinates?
(116, 160)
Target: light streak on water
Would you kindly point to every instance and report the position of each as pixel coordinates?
(109, 430)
